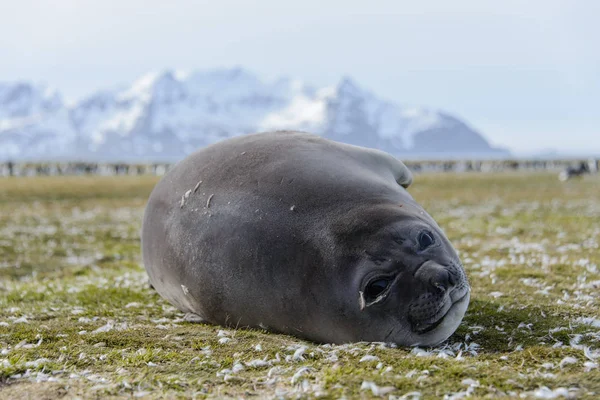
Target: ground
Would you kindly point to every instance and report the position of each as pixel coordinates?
(77, 318)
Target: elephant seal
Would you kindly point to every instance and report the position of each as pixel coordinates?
(297, 234)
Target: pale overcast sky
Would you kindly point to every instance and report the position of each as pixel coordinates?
(525, 73)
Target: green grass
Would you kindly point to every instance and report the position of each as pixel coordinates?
(78, 319)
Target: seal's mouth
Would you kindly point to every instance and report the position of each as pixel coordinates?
(423, 327)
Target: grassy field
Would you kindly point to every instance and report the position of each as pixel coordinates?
(77, 318)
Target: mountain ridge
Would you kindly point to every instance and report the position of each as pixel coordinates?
(163, 116)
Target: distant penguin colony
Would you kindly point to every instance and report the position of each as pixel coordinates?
(297, 234)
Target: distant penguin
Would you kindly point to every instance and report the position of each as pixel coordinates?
(571, 172)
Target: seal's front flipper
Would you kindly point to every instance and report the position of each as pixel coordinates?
(194, 318)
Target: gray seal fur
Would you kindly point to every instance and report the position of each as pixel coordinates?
(297, 234)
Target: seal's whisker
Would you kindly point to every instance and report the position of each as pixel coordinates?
(389, 334)
(378, 299)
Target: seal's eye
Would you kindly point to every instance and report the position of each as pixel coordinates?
(375, 288)
(425, 239)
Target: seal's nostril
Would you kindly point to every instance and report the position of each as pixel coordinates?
(441, 280)
(452, 279)
(437, 278)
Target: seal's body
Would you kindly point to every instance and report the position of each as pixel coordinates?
(297, 234)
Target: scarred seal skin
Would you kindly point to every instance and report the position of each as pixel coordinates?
(297, 234)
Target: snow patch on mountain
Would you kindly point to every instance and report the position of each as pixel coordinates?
(304, 111)
(21, 100)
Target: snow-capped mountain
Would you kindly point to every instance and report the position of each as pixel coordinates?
(163, 117)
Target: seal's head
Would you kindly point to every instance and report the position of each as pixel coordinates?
(408, 283)
(410, 287)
